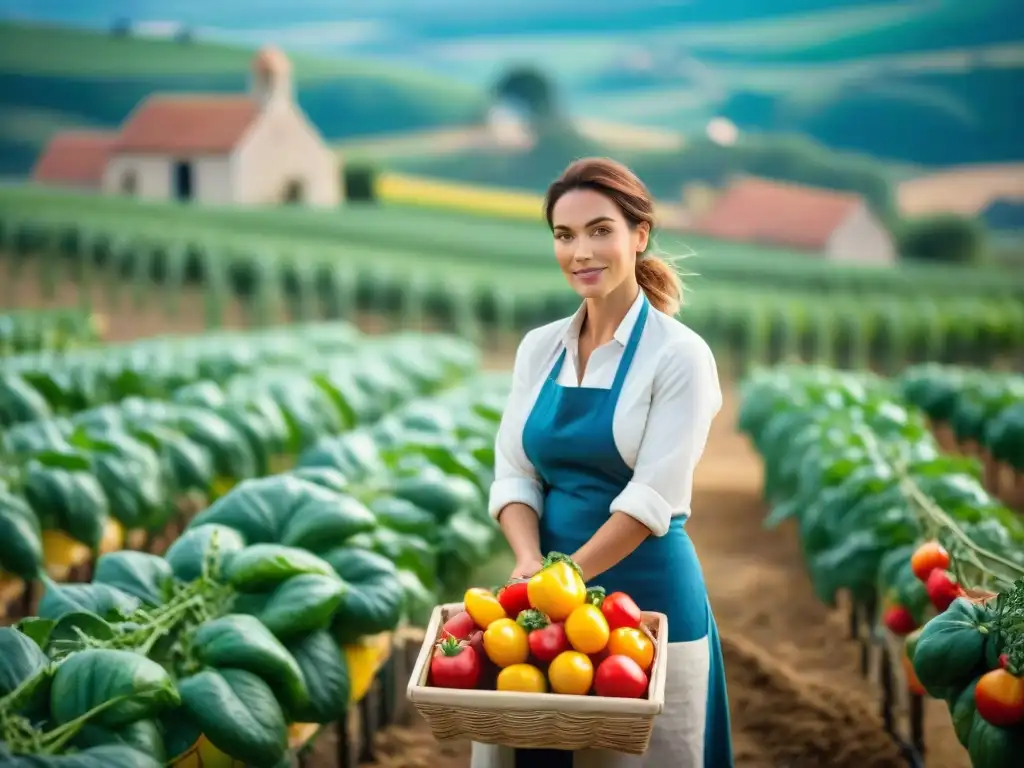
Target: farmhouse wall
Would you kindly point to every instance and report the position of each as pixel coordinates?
(282, 148)
(861, 238)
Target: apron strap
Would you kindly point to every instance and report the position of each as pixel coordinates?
(631, 345)
(557, 368)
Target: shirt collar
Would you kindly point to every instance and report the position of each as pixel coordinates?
(571, 337)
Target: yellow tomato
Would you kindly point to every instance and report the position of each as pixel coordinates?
(113, 536)
(571, 672)
(587, 629)
(483, 607)
(557, 589)
(634, 643)
(61, 553)
(524, 678)
(505, 643)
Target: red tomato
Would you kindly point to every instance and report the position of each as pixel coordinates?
(546, 639)
(454, 665)
(620, 677)
(620, 611)
(513, 598)
(459, 626)
(927, 558)
(942, 589)
(999, 697)
(1004, 660)
(899, 620)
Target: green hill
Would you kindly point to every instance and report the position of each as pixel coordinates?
(54, 78)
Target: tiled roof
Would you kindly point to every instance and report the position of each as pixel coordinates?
(775, 213)
(75, 158)
(187, 124)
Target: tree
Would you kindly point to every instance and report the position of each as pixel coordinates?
(533, 90)
(944, 238)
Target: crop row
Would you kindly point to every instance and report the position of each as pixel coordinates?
(981, 409)
(242, 634)
(161, 421)
(419, 240)
(746, 323)
(47, 330)
(859, 472)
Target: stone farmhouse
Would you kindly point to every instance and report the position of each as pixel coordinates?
(257, 148)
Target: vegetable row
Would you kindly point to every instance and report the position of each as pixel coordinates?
(547, 633)
(984, 408)
(34, 217)
(860, 474)
(48, 330)
(250, 625)
(64, 480)
(859, 328)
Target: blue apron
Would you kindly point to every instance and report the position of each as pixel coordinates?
(569, 439)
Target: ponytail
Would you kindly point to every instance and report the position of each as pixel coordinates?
(660, 282)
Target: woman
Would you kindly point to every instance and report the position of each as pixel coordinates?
(609, 413)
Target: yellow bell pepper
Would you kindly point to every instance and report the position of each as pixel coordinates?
(364, 660)
(557, 589)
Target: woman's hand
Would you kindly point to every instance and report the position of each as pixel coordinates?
(525, 568)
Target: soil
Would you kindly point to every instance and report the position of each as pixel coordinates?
(796, 694)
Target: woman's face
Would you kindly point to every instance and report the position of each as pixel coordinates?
(594, 244)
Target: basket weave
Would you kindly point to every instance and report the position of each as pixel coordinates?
(539, 720)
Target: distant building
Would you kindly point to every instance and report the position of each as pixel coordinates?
(1005, 214)
(254, 149)
(838, 225)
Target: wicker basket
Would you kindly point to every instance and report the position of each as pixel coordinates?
(539, 720)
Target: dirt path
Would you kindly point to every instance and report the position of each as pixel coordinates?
(796, 695)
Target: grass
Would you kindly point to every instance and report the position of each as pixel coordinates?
(58, 51)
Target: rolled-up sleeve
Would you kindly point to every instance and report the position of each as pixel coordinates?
(685, 398)
(515, 479)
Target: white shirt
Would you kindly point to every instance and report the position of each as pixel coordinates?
(664, 412)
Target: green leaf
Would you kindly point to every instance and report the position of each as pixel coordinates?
(69, 501)
(66, 635)
(239, 641)
(100, 599)
(263, 566)
(189, 551)
(325, 672)
(323, 519)
(238, 713)
(301, 604)
(117, 687)
(403, 516)
(104, 756)
(36, 628)
(440, 494)
(142, 735)
(142, 575)
(21, 543)
(374, 600)
(21, 659)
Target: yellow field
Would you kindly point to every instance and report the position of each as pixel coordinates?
(465, 198)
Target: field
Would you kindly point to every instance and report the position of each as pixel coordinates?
(755, 305)
(796, 691)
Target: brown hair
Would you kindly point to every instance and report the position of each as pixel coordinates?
(656, 277)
